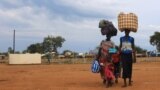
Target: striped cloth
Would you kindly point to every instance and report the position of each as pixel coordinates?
(127, 21)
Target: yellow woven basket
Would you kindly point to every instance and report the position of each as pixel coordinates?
(127, 21)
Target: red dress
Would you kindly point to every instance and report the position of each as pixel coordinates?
(109, 72)
(104, 59)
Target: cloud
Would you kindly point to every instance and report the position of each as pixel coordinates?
(89, 8)
(76, 21)
(155, 27)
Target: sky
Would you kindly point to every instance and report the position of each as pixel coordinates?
(75, 20)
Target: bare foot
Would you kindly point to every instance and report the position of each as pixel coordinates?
(104, 81)
(116, 81)
(130, 83)
(124, 86)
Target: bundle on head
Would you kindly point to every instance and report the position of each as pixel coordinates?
(107, 28)
(127, 22)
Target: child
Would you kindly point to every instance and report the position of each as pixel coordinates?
(109, 69)
(116, 63)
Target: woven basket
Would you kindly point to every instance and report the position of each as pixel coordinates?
(127, 21)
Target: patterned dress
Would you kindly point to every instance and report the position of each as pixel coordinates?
(104, 56)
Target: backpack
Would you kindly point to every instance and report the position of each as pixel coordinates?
(95, 67)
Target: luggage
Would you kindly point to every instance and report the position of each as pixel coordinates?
(95, 66)
(127, 21)
(107, 28)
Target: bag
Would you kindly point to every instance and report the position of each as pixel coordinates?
(95, 66)
(107, 28)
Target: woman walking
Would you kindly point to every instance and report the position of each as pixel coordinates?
(126, 49)
(104, 57)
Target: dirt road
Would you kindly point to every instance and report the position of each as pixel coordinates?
(146, 76)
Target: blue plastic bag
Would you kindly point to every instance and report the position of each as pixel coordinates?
(95, 66)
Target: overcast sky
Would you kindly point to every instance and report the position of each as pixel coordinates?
(75, 20)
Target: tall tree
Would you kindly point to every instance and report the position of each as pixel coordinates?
(155, 40)
(51, 43)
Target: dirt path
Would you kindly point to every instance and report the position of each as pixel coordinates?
(146, 76)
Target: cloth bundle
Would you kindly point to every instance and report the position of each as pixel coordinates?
(108, 27)
(127, 22)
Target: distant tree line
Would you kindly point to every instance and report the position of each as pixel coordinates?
(140, 50)
(49, 44)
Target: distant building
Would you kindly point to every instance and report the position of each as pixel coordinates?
(81, 55)
(2, 57)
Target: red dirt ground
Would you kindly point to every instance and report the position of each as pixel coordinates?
(146, 76)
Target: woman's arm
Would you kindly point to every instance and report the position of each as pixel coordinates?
(133, 46)
(134, 51)
(99, 54)
(120, 46)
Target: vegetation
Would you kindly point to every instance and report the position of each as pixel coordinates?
(139, 49)
(49, 44)
(35, 48)
(10, 50)
(155, 40)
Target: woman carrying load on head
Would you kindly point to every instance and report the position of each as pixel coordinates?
(127, 22)
(126, 49)
(104, 56)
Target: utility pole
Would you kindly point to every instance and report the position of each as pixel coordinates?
(14, 41)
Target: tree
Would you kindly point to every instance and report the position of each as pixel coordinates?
(24, 51)
(155, 40)
(139, 49)
(51, 43)
(35, 48)
(10, 50)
